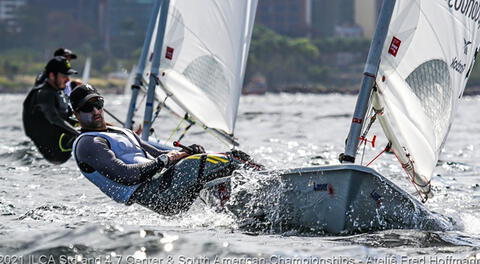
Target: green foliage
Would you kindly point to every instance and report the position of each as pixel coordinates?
(281, 59)
(319, 74)
(329, 45)
(6, 82)
(474, 79)
(19, 61)
(284, 61)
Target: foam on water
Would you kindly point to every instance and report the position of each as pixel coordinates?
(46, 209)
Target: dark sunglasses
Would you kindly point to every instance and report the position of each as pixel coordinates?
(88, 106)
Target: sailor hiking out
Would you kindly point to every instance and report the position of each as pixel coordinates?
(129, 170)
(47, 115)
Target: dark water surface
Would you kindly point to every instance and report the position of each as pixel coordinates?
(51, 214)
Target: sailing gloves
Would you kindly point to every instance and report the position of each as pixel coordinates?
(195, 149)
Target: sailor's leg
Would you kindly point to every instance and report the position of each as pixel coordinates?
(176, 190)
(56, 147)
(170, 194)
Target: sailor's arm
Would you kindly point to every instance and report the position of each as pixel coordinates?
(96, 153)
(46, 103)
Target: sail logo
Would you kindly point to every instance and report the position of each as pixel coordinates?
(169, 53)
(468, 8)
(394, 46)
(458, 65)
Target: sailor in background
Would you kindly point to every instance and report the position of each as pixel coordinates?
(69, 55)
(47, 115)
(123, 166)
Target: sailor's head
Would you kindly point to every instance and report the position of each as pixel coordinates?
(58, 71)
(87, 105)
(68, 54)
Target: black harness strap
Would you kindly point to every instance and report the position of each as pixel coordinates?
(201, 169)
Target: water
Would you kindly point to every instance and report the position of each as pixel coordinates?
(52, 214)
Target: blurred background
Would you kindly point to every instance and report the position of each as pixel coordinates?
(316, 46)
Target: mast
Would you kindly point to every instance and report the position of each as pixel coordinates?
(147, 117)
(368, 81)
(141, 65)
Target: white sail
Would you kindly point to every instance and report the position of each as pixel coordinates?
(160, 95)
(426, 61)
(151, 48)
(86, 70)
(204, 57)
(130, 79)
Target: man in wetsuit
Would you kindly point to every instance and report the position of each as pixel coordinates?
(47, 115)
(123, 166)
(42, 77)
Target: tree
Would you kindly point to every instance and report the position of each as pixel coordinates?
(280, 59)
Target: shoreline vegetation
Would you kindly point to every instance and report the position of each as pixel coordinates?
(276, 64)
(21, 84)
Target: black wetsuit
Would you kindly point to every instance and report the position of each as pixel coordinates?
(160, 194)
(46, 116)
(93, 152)
(129, 170)
(40, 79)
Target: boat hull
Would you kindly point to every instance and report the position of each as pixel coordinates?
(329, 199)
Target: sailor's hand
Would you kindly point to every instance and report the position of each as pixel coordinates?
(196, 149)
(174, 156)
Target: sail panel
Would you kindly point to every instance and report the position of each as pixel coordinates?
(151, 48)
(205, 50)
(425, 65)
(160, 94)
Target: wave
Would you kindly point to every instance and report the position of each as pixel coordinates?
(455, 166)
(411, 238)
(92, 243)
(23, 153)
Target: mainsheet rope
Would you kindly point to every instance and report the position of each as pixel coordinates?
(177, 128)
